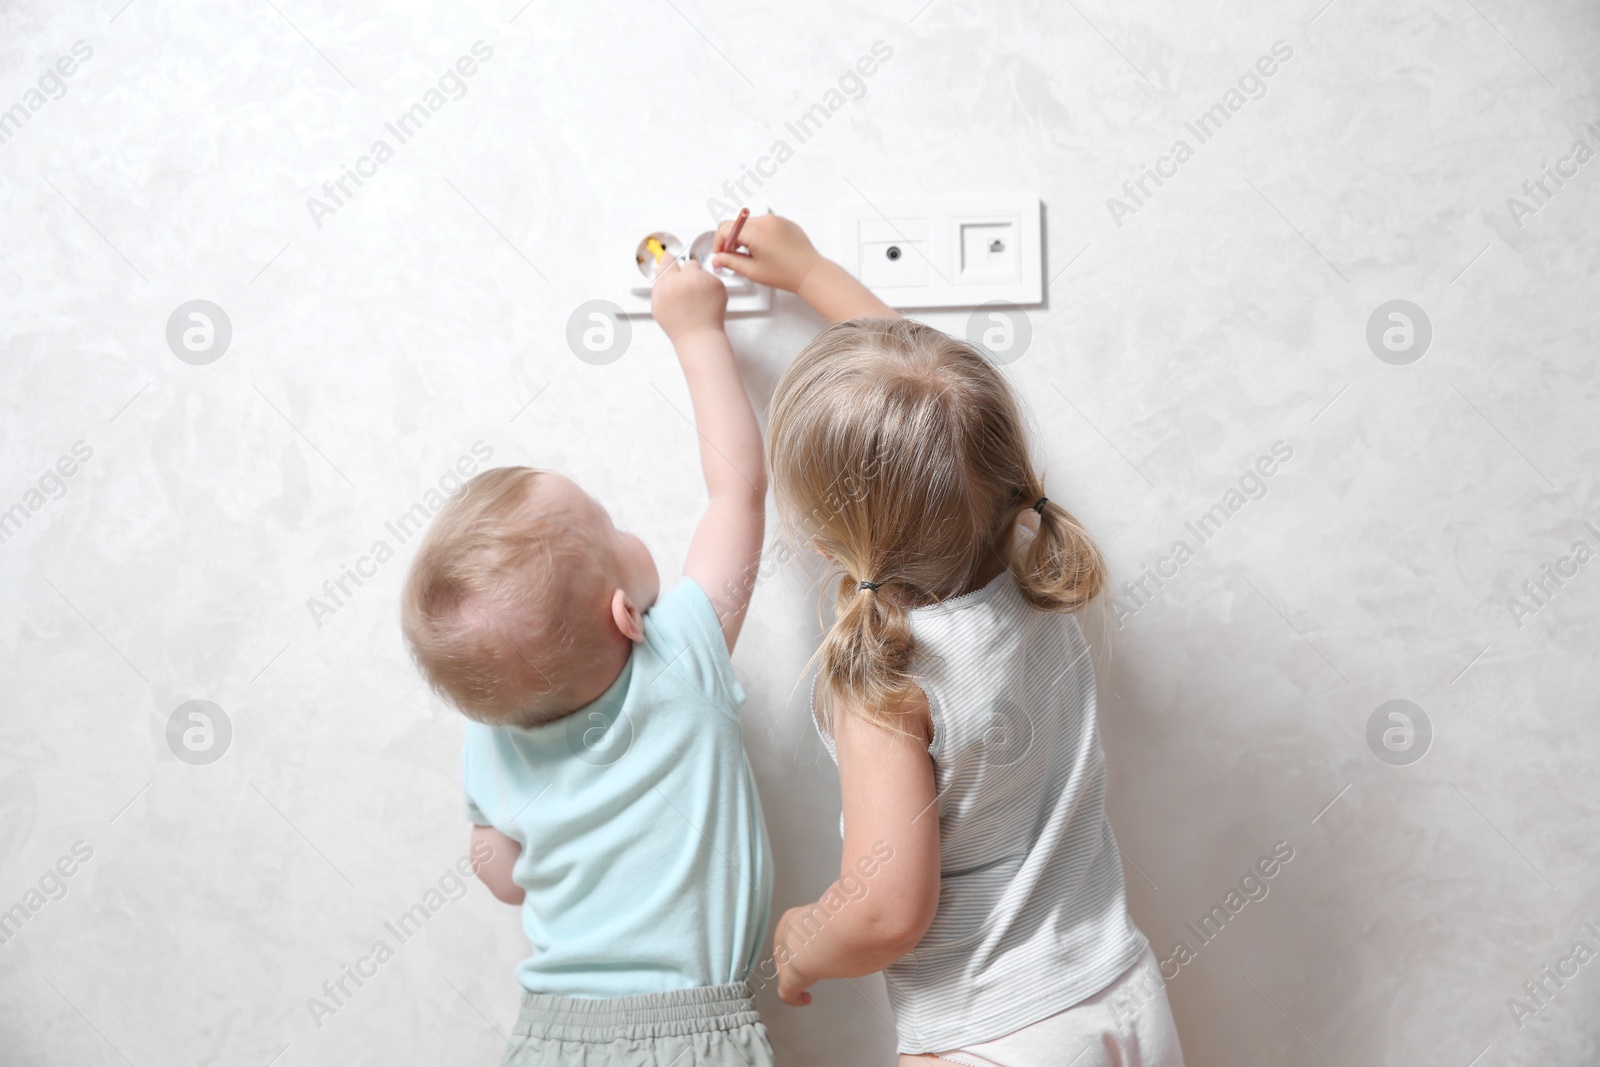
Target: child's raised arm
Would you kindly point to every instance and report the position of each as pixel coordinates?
(723, 558)
(780, 255)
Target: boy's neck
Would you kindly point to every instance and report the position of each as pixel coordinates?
(604, 671)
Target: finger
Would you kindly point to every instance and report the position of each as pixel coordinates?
(663, 264)
(666, 263)
(737, 262)
(725, 230)
(747, 233)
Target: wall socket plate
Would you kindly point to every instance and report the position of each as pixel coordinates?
(952, 252)
(630, 267)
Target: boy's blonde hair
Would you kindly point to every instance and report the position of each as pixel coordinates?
(901, 452)
(506, 603)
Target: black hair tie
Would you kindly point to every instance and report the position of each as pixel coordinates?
(1040, 503)
(867, 585)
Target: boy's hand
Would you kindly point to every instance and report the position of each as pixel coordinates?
(500, 860)
(687, 300)
(779, 252)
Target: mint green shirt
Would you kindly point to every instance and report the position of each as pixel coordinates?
(644, 853)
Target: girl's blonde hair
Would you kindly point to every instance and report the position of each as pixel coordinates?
(901, 453)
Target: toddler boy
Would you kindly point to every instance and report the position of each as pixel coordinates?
(605, 763)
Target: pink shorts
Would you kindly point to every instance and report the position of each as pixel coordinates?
(1127, 1024)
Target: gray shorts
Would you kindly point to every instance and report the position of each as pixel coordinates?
(716, 1026)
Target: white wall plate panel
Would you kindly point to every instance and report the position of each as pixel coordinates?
(951, 252)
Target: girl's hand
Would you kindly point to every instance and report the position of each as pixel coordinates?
(788, 940)
(687, 300)
(778, 252)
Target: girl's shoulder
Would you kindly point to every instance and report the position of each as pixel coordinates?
(989, 616)
(996, 642)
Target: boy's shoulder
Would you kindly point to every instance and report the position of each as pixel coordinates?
(683, 608)
(678, 674)
(684, 643)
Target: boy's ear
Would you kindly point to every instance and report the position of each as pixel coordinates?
(627, 617)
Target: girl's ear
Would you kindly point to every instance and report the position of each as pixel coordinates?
(816, 543)
(627, 617)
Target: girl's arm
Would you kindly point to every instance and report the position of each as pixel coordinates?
(888, 887)
(778, 253)
(836, 295)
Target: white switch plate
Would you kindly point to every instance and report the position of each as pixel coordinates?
(623, 237)
(949, 253)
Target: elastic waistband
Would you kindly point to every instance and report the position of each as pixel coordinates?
(673, 1014)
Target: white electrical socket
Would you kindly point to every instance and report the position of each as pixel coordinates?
(948, 253)
(630, 266)
(894, 253)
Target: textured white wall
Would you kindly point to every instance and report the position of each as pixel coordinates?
(1227, 313)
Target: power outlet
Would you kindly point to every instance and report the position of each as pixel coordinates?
(957, 252)
(630, 261)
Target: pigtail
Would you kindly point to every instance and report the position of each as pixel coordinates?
(866, 656)
(1059, 568)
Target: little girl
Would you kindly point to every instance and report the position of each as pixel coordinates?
(956, 694)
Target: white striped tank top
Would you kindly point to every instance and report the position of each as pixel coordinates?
(1032, 914)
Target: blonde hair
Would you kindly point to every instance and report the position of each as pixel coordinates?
(901, 453)
(505, 603)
